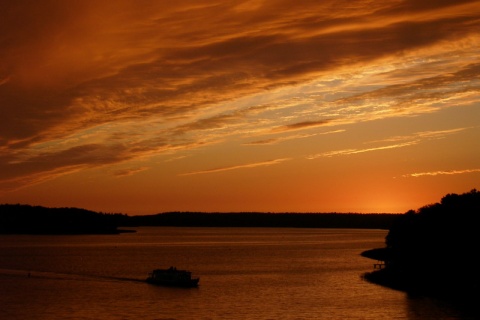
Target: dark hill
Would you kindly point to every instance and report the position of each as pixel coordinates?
(258, 219)
(433, 250)
(26, 219)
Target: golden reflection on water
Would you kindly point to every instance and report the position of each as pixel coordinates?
(244, 274)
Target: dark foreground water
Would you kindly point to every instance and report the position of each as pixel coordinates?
(245, 273)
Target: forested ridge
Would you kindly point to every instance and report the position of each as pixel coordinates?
(26, 219)
(433, 250)
(259, 219)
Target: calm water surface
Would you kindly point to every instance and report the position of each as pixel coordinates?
(245, 273)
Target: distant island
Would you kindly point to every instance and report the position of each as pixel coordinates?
(260, 219)
(433, 251)
(27, 219)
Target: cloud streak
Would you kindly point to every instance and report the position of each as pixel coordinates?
(440, 173)
(241, 166)
(292, 137)
(300, 126)
(403, 141)
(355, 151)
(128, 171)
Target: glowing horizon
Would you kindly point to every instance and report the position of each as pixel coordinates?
(143, 107)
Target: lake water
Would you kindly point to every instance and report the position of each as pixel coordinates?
(245, 273)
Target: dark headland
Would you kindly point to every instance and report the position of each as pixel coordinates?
(433, 251)
(26, 219)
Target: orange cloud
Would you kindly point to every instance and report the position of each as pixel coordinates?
(300, 125)
(408, 141)
(355, 151)
(128, 171)
(80, 88)
(298, 136)
(242, 166)
(440, 173)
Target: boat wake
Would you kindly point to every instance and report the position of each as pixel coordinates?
(61, 276)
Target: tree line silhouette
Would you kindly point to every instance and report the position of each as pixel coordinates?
(259, 219)
(26, 219)
(433, 250)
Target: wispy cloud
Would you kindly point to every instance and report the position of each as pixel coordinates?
(128, 171)
(408, 140)
(423, 135)
(241, 166)
(440, 173)
(291, 137)
(355, 151)
(300, 126)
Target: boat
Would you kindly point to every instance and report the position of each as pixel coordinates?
(172, 277)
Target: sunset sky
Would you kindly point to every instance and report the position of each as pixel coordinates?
(141, 107)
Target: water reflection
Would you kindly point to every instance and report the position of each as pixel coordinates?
(421, 308)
